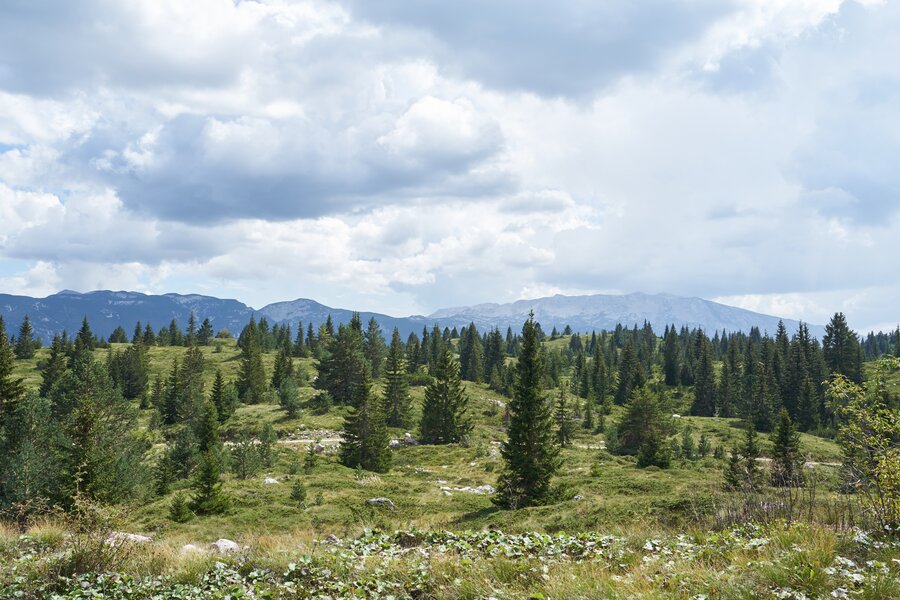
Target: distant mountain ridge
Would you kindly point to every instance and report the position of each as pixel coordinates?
(108, 309)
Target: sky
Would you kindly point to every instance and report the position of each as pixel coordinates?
(406, 156)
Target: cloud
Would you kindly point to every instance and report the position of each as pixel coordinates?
(403, 157)
(566, 48)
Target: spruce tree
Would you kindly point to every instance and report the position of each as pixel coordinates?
(25, 340)
(445, 418)
(397, 401)
(289, 398)
(841, 349)
(787, 463)
(643, 414)
(12, 389)
(208, 497)
(470, 354)
(84, 341)
(564, 426)
(631, 374)
(365, 442)
(252, 382)
(284, 364)
(373, 347)
(55, 367)
(704, 404)
(671, 367)
(530, 453)
(599, 382)
(343, 362)
(205, 335)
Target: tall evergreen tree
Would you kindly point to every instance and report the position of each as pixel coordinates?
(530, 453)
(252, 381)
(284, 364)
(631, 374)
(565, 427)
(206, 333)
(445, 416)
(470, 354)
(671, 368)
(12, 388)
(373, 347)
(643, 415)
(787, 463)
(397, 401)
(85, 341)
(209, 498)
(25, 340)
(599, 383)
(343, 363)
(704, 404)
(841, 349)
(55, 367)
(366, 441)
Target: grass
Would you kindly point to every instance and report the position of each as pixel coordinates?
(596, 492)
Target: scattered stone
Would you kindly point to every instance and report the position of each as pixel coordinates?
(384, 502)
(676, 416)
(223, 546)
(394, 443)
(409, 440)
(270, 481)
(191, 549)
(481, 489)
(332, 539)
(117, 538)
(446, 493)
(577, 497)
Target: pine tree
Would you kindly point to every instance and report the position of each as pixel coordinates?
(653, 452)
(298, 493)
(704, 404)
(564, 426)
(25, 340)
(688, 450)
(252, 382)
(267, 445)
(55, 367)
(179, 510)
(631, 374)
(84, 341)
(208, 497)
(445, 418)
(12, 389)
(206, 429)
(841, 349)
(703, 447)
(343, 362)
(671, 367)
(205, 335)
(397, 401)
(530, 453)
(284, 364)
(588, 422)
(787, 463)
(599, 382)
(373, 347)
(750, 453)
(289, 398)
(470, 354)
(643, 415)
(365, 443)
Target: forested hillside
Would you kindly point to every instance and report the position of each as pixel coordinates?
(526, 462)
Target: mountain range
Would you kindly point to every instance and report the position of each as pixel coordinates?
(107, 309)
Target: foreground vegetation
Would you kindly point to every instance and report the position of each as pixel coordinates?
(618, 465)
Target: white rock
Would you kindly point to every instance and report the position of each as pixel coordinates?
(446, 493)
(394, 443)
(270, 481)
(578, 497)
(224, 546)
(676, 416)
(381, 502)
(191, 549)
(117, 538)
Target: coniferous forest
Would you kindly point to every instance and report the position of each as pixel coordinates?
(343, 440)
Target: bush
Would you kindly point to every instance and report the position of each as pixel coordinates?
(179, 511)
(321, 403)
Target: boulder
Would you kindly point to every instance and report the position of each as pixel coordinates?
(191, 549)
(117, 538)
(394, 443)
(384, 502)
(270, 481)
(223, 546)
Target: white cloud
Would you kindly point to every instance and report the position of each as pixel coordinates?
(400, 158)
